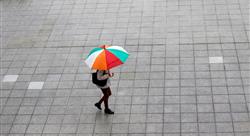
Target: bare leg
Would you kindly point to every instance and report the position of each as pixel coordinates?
(105, 98)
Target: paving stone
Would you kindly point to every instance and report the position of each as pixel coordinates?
(10, 110)
(154, 128)
(188, 108)
(85, 128)
(120, 128)
(36, 85)
(138, 118)
(7, 119)
(224, 127)
(10, 78)
(239, 116)
(35, 128)
(102, 128)
(5, 129)
(173, 108)
(137, 128)
(172, 117)
(188, 117)
(207, 127)
(221, 107)
(55, 119)
(206, 117)
(121, 118)
(241, 127)
(38, 119)
(189, 127)
(68, 129)
(171, 127)
(52, 129)
(22, 119)
(18, 128)
(223, 117)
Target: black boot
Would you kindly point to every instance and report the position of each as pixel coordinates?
(98, 105)
(108, 111)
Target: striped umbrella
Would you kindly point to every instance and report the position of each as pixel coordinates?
(106, 57)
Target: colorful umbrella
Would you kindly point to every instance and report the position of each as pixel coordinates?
(106, 57)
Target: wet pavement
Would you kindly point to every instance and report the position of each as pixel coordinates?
(187, 74)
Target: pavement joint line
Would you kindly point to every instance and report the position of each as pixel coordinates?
(45, 47)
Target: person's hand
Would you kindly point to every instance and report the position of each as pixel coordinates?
(111, 74)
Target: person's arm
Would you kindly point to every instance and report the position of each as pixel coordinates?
(100, 75)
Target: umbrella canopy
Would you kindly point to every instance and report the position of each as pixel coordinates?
(106, 57)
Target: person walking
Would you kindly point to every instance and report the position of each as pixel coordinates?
(101, 76)
(102, 59)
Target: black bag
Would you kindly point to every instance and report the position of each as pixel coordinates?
(98, 82)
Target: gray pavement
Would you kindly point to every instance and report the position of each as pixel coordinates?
(187, 74)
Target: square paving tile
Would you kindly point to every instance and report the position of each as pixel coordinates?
(36, 85)
(10, 78)
(215, 59)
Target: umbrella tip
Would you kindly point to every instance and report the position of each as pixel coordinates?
(104, 46)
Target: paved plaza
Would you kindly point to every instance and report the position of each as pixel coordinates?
(188, 73)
